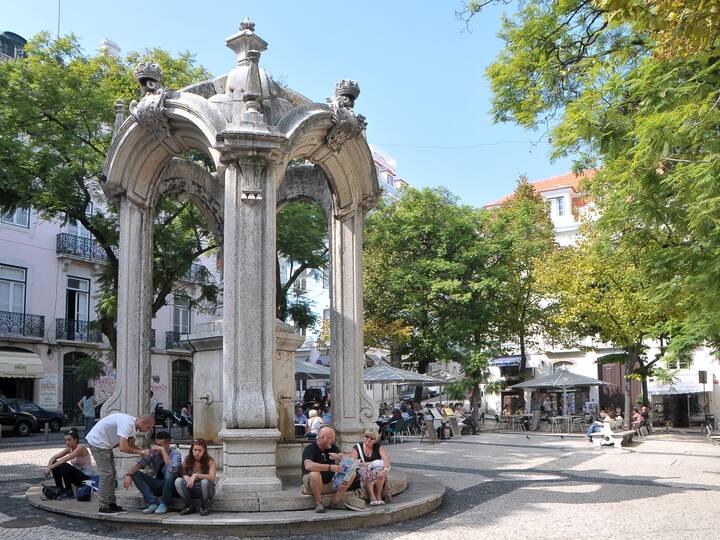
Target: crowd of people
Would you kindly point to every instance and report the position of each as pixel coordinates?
(161, 473)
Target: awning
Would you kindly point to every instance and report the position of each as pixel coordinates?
(561, 379)
(305, 371)
(20, 365)
(686, 383)
(391, 375)
(505, 361)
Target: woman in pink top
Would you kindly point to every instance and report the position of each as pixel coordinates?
(70, 467)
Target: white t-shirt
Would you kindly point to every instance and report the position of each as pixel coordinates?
(107, 432)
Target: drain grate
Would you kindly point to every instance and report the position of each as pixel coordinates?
(24, 523)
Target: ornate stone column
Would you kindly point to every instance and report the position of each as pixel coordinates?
(132, 386)
(250, 431)
(353, 410)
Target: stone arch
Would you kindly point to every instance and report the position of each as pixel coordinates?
(180, 176)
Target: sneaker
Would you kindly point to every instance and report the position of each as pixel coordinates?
(64, 495)
(161, 509)
(150, 509)
(117, 509)
(353, 503)
(187, 510)
(204, 511)
(319, 508)
(109, 511)
(375, 503)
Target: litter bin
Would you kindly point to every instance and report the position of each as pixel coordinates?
(710, 421)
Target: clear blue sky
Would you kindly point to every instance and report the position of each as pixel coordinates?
(421, 73)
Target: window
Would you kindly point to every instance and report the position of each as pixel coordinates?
(77, 229)
(561, 366)
(77, 299)
(20, 217)
(181, 314)
(12, 289)
(557, 206)
(326, 278)
(681, 361)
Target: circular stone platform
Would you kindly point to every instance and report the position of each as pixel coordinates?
(422, 495)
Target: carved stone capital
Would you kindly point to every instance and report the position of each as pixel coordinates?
(253, 175)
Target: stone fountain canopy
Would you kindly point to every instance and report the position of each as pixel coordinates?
(269, 145)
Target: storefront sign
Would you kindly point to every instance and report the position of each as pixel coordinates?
(48, 395)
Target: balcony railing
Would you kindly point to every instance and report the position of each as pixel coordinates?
(21, 324)
(173, 340)
(77, 331)
(80, 246)
(197, 273)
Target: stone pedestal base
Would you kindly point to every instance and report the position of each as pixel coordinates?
(289, 456)
(249, 460)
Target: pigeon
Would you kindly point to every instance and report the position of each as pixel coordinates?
(562, 437)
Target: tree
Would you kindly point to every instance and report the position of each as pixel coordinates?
(432, 280)
(631, 87)
(526, 236)
(302, 240)
(605, 296)
(56, 106)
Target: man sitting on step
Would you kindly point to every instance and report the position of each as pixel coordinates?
(165, 463)
(318, 468)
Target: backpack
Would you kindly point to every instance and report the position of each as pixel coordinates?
(49, 492)
(84, 493)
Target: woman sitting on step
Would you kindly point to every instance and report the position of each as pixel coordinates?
(71, 467)
(373, 468)
(197, 480)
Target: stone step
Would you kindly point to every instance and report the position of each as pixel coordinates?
(423, 495)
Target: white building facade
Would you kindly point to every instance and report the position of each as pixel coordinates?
(48, 323)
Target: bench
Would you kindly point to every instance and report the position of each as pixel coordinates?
(612, 438)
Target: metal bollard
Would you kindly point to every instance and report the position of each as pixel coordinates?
(47, 432)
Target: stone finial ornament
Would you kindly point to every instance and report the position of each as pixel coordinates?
(247, 24)
(150, 76)
(150, 111)
(346, 123)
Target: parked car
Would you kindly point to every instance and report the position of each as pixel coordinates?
(12, 419)
(53, 418)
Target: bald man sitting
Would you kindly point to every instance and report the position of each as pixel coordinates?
(318, 468)
(117, 429)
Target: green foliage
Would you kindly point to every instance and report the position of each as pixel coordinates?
(525, 235)
(90, 367)
(632, 86)
(302, 240)
(56, 106)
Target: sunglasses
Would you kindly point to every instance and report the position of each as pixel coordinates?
(371, 437)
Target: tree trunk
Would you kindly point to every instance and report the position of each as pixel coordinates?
(645, 389)
(523, 359)
(630, 364)
(474, 402)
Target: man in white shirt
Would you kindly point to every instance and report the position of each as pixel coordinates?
(115, 430)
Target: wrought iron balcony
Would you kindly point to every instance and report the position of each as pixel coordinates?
(21, 324)
(173, 340)
(77, 331)
(80, 246)
(197, 273)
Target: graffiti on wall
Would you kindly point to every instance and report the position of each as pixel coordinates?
(105, 385)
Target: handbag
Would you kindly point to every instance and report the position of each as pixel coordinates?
(84, 493)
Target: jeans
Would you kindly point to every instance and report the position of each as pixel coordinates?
(593, 429)
(89, 423)
(203, 490)
(105, 462)
(66, 476)
(152, 487)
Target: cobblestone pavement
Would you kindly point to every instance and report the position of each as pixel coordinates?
(500, 485)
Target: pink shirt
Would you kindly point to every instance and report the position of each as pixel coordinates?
(84, 463)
